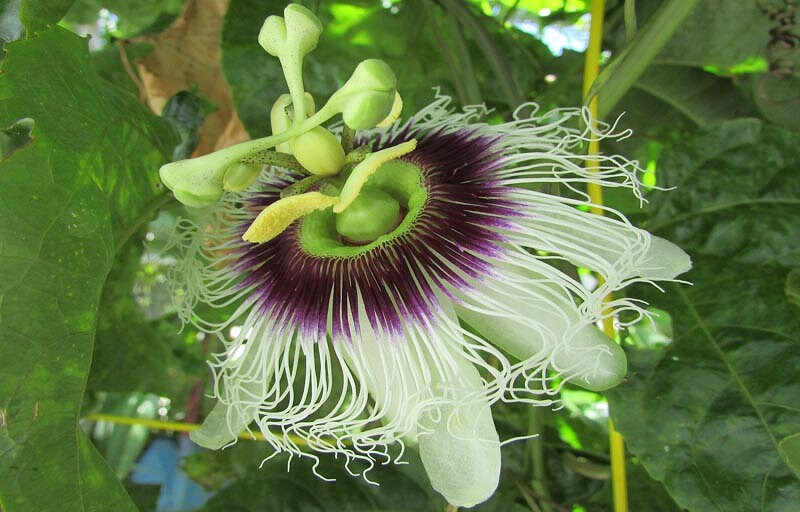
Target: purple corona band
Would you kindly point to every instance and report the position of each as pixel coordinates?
(446, 247)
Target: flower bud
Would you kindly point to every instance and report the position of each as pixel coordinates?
(303, 28)
(367, 109)
(372, 75)
(294, 35)
(272, 36)
(319, 151)
(368, 96)
(196, 182)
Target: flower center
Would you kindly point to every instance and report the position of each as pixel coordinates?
(382, 211)
(372, 214)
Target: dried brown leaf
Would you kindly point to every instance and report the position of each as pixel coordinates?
(187, 55)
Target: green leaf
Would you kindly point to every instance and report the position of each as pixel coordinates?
(494, 55)
(271, 487)
(67, 200)
(777, 98)
(668, 100)
(789, 448)
(705, 415)
(720, 33)
(615, 79)
(700, 97)
(133, 17)
(36, 14)
(793, 287)
(737, 194)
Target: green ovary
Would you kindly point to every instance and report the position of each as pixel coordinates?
(385, 208)
(372, 214)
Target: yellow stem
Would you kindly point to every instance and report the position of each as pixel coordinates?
(175, 426)
(591, 69)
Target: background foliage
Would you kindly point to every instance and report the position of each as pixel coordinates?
(711, 406)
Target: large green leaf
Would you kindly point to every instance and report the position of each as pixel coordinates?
(68, 200)
(738, 194)
(670, 99)
(706, 415)
(36, 14)
(698, 96)
(720, 33)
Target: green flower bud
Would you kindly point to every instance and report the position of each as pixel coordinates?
(372, 75)
(196, 182)
(367, 97)
(303, 28)
(367, 109)
(319, 151)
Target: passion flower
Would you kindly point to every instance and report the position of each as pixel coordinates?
(393, 301)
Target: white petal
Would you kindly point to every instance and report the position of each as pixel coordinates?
(244, 384)
(428, 390)
(221, 426)
(610, 246)
(665, 260)
(529, 316)
(461, 454)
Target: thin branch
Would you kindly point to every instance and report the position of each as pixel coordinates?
(126, 63)
(527, 492)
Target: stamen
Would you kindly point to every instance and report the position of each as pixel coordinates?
(275, 218)
(367, 168)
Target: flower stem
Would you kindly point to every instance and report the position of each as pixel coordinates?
(175, 426)
(591, 70)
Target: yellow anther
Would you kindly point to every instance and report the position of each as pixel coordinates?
(275, 218)
(367, 168)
